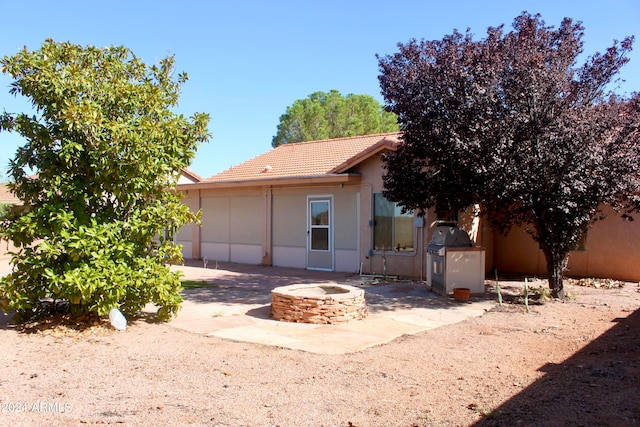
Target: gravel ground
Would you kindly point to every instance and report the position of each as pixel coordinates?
(575, 362)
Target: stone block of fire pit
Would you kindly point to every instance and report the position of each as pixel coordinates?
(318, 303)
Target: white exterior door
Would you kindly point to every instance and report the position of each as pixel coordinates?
(320, 253)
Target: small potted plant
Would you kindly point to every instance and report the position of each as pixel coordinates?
(461, 294)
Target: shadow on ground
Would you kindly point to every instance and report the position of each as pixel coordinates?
(5, 320)
(252, 285)
(237, 285)
(608, 369)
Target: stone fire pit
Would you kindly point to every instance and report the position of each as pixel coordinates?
(318, 303)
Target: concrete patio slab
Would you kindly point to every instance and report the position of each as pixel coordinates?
(236, 306)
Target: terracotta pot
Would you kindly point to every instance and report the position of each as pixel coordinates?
(461, 294)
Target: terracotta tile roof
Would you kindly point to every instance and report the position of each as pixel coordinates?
(7, 197)
(308, 159)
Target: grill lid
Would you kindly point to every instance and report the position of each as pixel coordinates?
(450, 237)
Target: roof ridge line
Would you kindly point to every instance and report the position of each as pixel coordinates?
(372, 135)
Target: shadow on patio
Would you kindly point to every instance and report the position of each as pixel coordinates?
(233, 284)
(237, 306)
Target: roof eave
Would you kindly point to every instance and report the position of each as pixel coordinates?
(382, 145)
(191, 174)
(331, 178)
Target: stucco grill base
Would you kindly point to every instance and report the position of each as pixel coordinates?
(320, 304)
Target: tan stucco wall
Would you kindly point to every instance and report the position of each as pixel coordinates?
(289, 219)
(612, 251)
(240, 223)
(517, 252)
(5, 248)
(229, 216)
(277, 218)
(405, 264)
(346, 221)
(289, 225)
(190, 233)
(266, 220)
(246, 220)
(215, 219)
(488, 243)
(473, 224)
(232, 226)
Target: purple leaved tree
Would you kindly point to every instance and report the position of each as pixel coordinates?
(514, 123)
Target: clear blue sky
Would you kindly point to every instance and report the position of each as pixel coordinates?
(248, 60)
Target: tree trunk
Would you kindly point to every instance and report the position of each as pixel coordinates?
(556, 265)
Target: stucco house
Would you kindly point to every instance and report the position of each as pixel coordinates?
(319, 205)
(188, 177)
(9, 201)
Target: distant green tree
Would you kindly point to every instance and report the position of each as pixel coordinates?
(107, 150)
(330, 115)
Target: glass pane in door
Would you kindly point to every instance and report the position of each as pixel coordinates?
(320, 213)
(320, 239)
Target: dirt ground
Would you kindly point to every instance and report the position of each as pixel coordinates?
(569, 363)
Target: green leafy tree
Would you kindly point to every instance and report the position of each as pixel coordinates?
(107, 150)
(514, 123)
(4, 209)
(330, 115)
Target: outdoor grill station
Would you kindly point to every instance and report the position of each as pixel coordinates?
(453, 261)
